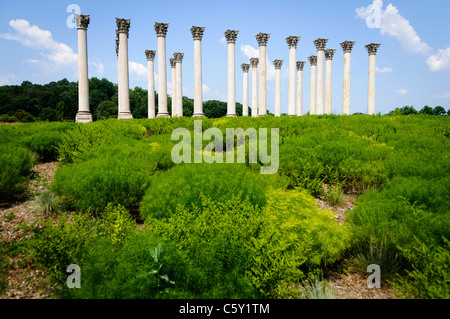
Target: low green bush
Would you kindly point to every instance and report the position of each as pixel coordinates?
(44, 144)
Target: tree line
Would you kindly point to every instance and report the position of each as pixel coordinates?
(58, 101)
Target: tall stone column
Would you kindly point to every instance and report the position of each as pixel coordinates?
(231, 36)
(178, 57)
(161, 31)
(347, 47)
(312, 90)
(174, 86)
(300, 65)
(262, 39)
(197, 34)
(150, 54)
(320, 46)
(254, 63)
(84, 114)
(245, 67)
(123, 27)
(277, 64)
(328, 80)
(372, 50)
(292, 41)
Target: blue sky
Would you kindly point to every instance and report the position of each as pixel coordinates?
(413, 62)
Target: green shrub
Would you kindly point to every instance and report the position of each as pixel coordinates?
(45, 144)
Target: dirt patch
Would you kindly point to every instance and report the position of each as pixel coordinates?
(354, 286)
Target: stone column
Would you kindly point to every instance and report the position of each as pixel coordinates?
(84, 114)
(300, 65)
(262, 39)
(231, 35)
(150, 54)
(292, 41)
(347, 47)
(372, 49)
(161, 31)
(254, 64)
(277, 64)
(197, 34)
(245, 67)
(312, 90)
(320, 45)
(123, 27)
(178, 57)
(174, 86)
(328, 80)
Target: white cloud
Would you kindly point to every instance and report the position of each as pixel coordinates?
(440, 61)
(223, 41)
(383, 70)
(205, 89)
(57, 54)
(7, 78)
(100, 68)
(401, 91)
(251, 52)
(137, 69)
(393, 24)
(442, 95)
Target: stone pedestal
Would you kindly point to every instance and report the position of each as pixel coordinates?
(231, 36)
(174, 85)
(245, 67)
(262, 39)
(254, 64)
(178, 57)
(123, 27)
(277, 64)
(320, 46)
(292, 41)
(299, 109)
(84, 114)
(161, 32)
(328, 80)
(150, 54)
(347, 47)
(197, 34)
(372, 50)
(312, 90)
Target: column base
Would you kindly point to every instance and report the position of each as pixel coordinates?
(83, 117)
(198, 115)
(125, 116)
(231, 115)
(163, 115)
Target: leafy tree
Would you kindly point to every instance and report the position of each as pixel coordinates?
(439, 110)
(106, 110)
(426, 110)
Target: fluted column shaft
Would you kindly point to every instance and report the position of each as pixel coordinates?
(231, 35)
(347, 47)
(197, 33)
(372, 49)
(179, 83)
(277, 64)
(161, 31)
(123, 26)
(320, 45)
(151, 83)
(292, 41)
(299, 109)
(328, 80)
(245, 67)
(84, 114)
(262, 39)
(254, 64)
(312, 89)
(174, 86)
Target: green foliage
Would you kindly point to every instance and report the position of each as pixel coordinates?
(45, 203)
(45, 144)
(106, 110)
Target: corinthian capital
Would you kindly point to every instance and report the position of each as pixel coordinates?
(150, 54)
(372, 48)
(320, 43)
(313, 60)
(277, 63)
(197, 32)
(123, 25)
(161, 29)
(300, 65)
(329, 53)
(231, 35)
(81, 21)
(347, 46)
(172, 62)
(245, 67)
(254, 62)
(262, 38)
(178, 57)
(292, 41)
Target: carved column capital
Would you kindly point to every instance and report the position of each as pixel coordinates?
(347, 46)
(254, 62)
(178, 57)
(123, 25)
(161, 29)
(231, 35)
(292, 41)
(300, 65)
(81, 21)
(372, 48)
(150, 54)
(262, 38)
(329, 53)
(320, 43)
(197, 32)
(172, 62)
(245, 67)
(313, 60)
(277, 63)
